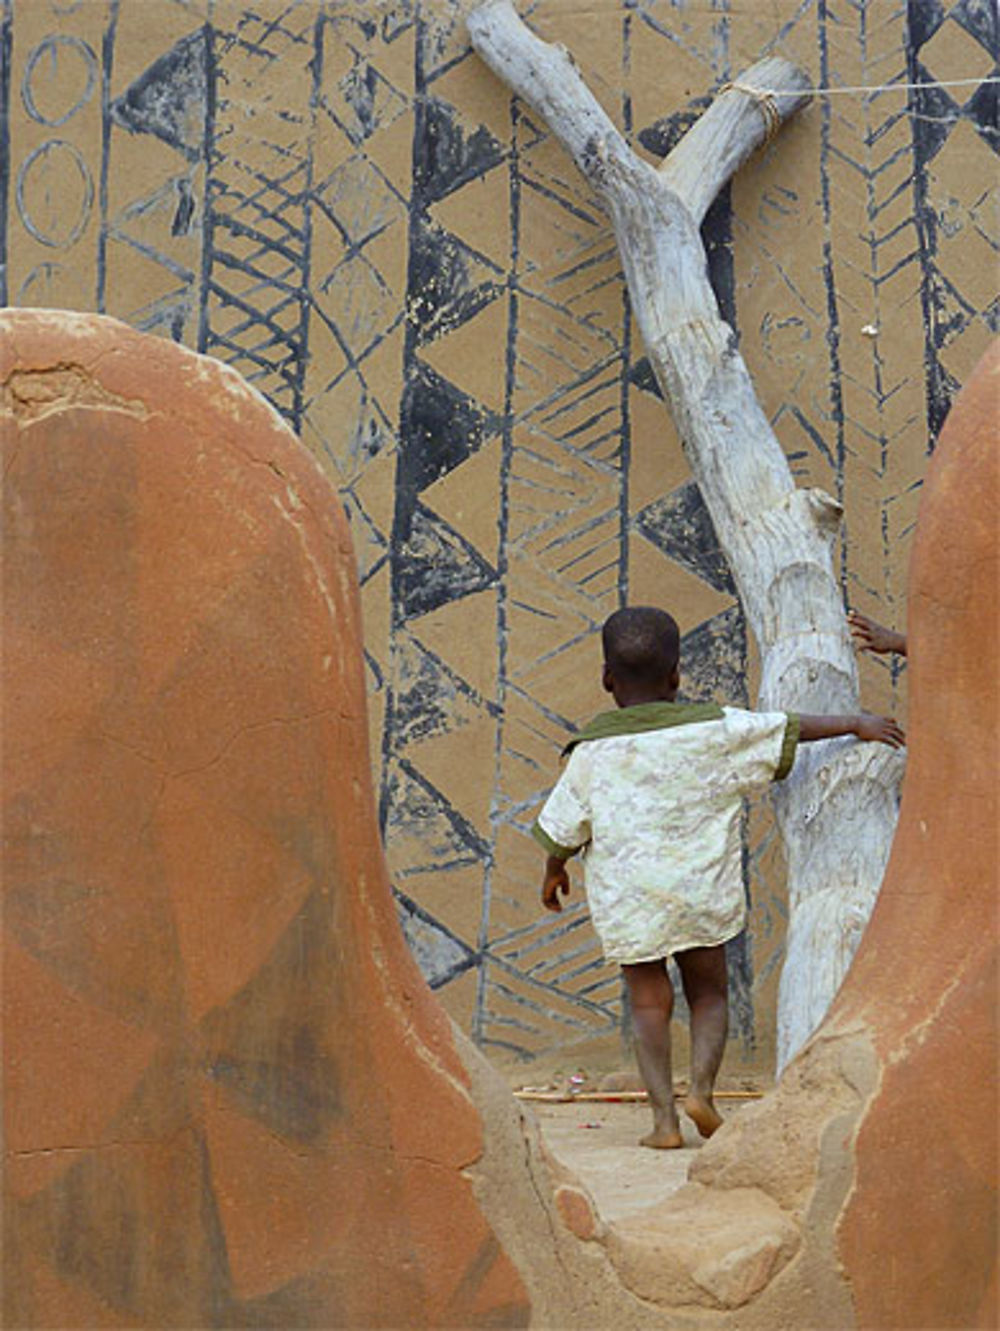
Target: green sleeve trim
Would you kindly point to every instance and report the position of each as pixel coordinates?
(642, 717)
(552, 847)
(788, 747)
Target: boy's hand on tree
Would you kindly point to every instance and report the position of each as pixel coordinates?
(882, 729)
(872, 637)
(556, 882)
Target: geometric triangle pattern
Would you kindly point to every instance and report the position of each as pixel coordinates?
(168, 99)
(342, 203)
(440, 566)
(441, 956)
(680, 526)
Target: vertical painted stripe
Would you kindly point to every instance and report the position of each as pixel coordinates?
(503, 571)
(305, 302)
(936, 394)
(208, 148)
(625, 455)
(107, 64)
(6, 55)
(829, 278)
(403, 499)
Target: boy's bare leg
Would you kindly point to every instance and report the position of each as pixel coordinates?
(703, 973)
(651, 999)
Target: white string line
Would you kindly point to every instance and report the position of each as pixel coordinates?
(870, 88)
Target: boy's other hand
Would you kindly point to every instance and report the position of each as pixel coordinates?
(882, 729)
(872, 637)
(556, 882)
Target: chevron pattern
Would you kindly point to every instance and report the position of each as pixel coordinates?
(338, 200)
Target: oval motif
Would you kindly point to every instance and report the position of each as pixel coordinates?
(51, 285)
(61, 71)
(55, 194)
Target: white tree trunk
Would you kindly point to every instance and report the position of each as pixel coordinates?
(837, 812)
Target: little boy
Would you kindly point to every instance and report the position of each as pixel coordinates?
(652, 795)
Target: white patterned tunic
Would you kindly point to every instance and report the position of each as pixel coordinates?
(652, 796)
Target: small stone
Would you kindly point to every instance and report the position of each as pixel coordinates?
(710, 1246)
(577, 1211)
(739, 1274)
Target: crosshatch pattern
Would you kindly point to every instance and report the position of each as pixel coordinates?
(339, 200)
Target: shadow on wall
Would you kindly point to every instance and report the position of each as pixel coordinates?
(231, 1098)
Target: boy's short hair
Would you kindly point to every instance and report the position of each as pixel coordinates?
(641, 644)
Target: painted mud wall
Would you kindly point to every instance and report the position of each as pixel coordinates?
(342, 203)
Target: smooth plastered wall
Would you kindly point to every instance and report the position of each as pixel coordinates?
(339, 200)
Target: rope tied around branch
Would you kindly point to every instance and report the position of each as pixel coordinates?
(764, 101)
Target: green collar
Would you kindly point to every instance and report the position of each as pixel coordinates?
(645, 716)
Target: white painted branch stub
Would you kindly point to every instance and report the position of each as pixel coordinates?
(837, 811)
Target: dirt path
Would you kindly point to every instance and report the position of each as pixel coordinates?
(599, 1143)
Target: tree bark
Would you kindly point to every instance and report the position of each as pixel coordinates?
(837, 811)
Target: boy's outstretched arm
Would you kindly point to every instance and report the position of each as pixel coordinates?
(865, 725)
(556, 881)
(873, 637)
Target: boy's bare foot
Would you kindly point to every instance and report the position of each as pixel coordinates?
(663, 1139)
(703, 1114)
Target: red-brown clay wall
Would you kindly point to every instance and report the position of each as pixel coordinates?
(230, 1098)
(919, 1235)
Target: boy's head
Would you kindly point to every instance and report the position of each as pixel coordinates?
(641, 654)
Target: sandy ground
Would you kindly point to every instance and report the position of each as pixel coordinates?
(599, 1143)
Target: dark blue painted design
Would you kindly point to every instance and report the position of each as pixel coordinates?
(935, 114)
(417, 809)
(429, 697)
(679, 524)
(980, 19)
(503, 519)
(713, 660)
(168, 99)
(207, 227)
(107, 65)
(833, 329)
(438, 566)
(983, 108)
(47, 54)
(57, 231)
(445, 288)
(440, 426)
(258, 222)
(360, 90)
(439, 953)
(641, 375)
(184, 216)
(924, 17)
(445, 156)
(6, 52)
